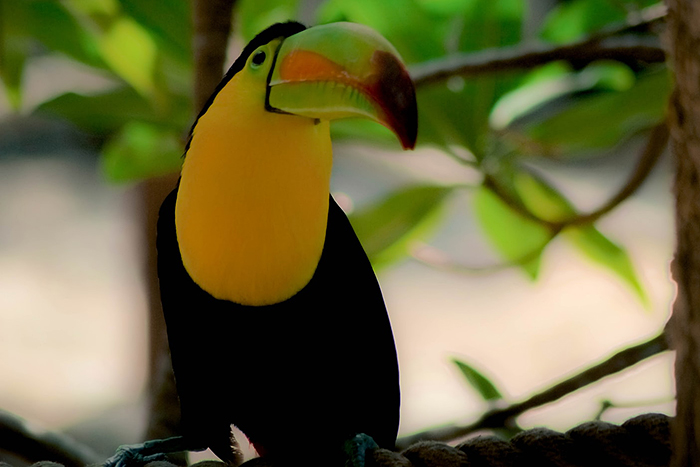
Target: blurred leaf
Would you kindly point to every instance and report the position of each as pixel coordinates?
(576, 18)
(105, 113)
(140, 151)
(256, 15)
(169, 22)
(387, 227)
(486, 389)
(604, 119)
(541, 198)
(94, 8)
(603, 251)
(416, 33)
(445, 7)
(57, 29)
(13, 51)
(131, 52)
(518, 239)
(555, 80)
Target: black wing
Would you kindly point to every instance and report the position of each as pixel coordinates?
(320, 366)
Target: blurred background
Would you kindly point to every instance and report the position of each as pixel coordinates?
(528, 236)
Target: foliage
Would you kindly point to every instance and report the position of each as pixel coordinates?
(498, 123)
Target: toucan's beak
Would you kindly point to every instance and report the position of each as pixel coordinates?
(344, 70)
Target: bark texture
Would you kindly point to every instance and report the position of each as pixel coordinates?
(211, 30)
(684, 119)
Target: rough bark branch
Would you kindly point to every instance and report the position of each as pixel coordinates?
(684, 114)
(212, 21)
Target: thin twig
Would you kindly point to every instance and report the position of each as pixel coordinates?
(504, 417)
(658, 139)
(650, 155)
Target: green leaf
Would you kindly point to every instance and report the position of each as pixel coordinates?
(13, 52)
(168, 22)
(105, 113)
(486, 389)
(131, 52)
(141, 151)
(59, 30)
(256, 15)
(604, 119)
(542, 199)
(387, 228)
(415, 33)
(517, 238)
(606, 253)
(555, 80)
(576, 18)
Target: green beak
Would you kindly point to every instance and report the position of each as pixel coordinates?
(343, 70)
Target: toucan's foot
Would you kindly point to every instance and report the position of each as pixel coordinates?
(132, 455)
(357, 448)
(135, 455)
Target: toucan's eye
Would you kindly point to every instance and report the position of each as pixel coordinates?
(258, 58)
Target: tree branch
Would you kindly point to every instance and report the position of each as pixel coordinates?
(34, 445)
(504, 417)
(624, 49)
(658, 139)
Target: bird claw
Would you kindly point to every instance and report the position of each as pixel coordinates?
(356, 449)
(133, 455)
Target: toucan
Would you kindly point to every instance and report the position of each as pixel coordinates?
(275, 319)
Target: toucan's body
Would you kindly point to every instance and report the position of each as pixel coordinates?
(276, 323)
(320, 366)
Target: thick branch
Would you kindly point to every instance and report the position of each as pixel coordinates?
(34, 445)
(211, 29)
(624, 49)
(504, 417)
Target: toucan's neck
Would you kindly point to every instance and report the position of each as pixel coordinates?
(252, 205)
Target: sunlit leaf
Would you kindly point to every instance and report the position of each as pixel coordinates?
(518, 239)
(131, 52)
(169, 22)
(541, 198)
(387, 228)
(604, 119)
(105, 113)
(13, 51)
(256, 15)
(606, 253)
(140, 151)
(415, 33)
(555, 80)
(486, 389)
(573, 19)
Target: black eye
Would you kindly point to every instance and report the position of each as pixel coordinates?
(259, 58)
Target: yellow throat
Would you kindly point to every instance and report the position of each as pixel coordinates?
(252, 206)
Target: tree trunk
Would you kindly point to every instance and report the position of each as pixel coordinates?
(212, 26)
(684, 121)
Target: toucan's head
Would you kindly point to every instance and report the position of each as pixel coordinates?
(253, 199)
(328, 72)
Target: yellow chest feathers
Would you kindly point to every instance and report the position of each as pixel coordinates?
(252, 205)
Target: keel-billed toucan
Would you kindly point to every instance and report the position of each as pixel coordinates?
(275, 319)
